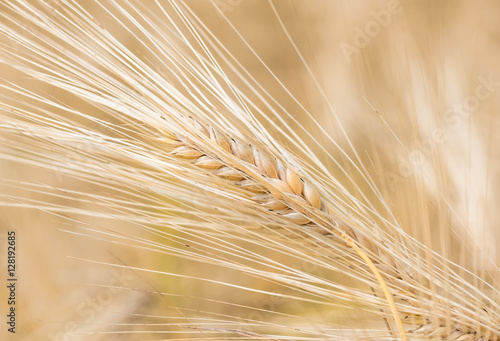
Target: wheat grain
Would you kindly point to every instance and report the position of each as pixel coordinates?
(272, 184)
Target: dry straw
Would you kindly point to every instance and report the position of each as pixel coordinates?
(179, 151)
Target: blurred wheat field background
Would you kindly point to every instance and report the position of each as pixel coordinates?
(388, 107)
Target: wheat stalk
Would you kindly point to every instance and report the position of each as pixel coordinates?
(201, 139)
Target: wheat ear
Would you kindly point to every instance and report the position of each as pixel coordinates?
(275, 185)
(425, 296)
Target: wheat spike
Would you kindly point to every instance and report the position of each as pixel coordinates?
(269, 182)
(167, 149)
(274, 180)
